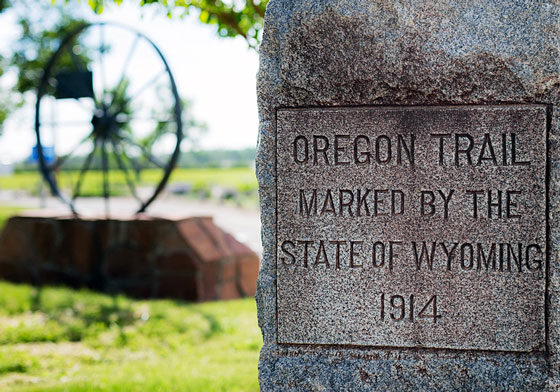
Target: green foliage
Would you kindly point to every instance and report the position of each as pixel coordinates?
(81, 341)
(16, 363)
(4, 4)
(7, 104)
(192, 128)
(243, 18)
(42, 28)
(36, 46)
(44, 24)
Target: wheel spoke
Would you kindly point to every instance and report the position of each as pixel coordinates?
(105, 169)
(101, 62)
(125, 119)
(145, 152)
(83, 171)
(131, 52)
(76, 60)
(138, 92)
(137, 167)
(60, 161)
(64, 123)
(147, 84)
(131, 97)
(117, 152)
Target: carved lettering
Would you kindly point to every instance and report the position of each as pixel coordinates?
(497, 206)
(476, 257)
(344, 149)
(428, 257)
(397, 225)
(351, 202)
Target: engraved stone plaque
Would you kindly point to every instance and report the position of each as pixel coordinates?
(418, 227)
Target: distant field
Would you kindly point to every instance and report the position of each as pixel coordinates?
(57, 339)
(239, 179)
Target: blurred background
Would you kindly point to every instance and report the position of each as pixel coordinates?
(107, 109)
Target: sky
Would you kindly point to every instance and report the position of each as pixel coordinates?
(217, 74)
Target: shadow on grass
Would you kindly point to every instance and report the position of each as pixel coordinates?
(56, 314)
(54, 338)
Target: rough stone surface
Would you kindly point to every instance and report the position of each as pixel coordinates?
(340, 53)
(373, 200)
(146, 257)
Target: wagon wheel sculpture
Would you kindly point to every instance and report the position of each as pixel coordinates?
(109, 100)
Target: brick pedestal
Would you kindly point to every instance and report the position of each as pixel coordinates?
(190, 259)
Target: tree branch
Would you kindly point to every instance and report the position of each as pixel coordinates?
(257, 8)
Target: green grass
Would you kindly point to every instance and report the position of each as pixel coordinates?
(240, 179)
(57, 339)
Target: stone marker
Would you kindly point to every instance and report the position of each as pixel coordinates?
(407, 162)
(190, 259)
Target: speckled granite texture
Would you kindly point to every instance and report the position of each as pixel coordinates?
(411, 53)
(382, 245)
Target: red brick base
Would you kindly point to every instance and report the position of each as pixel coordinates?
(190, 259)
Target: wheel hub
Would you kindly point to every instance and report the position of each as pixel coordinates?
(104, 124)
(113, 141)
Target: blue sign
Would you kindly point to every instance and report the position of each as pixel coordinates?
(48, 154)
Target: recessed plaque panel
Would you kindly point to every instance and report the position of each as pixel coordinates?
(418, 227)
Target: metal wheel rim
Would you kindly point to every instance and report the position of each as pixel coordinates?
(44, 167)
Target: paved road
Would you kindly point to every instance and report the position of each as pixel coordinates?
(243, 223)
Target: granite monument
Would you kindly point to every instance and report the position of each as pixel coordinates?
(408, 162)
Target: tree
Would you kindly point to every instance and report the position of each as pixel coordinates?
(242, 18)
(7, 103)
(44, 23)
(37, 43)
(41, 26)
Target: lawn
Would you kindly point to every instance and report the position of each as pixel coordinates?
(241, 179)
(57, 339)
